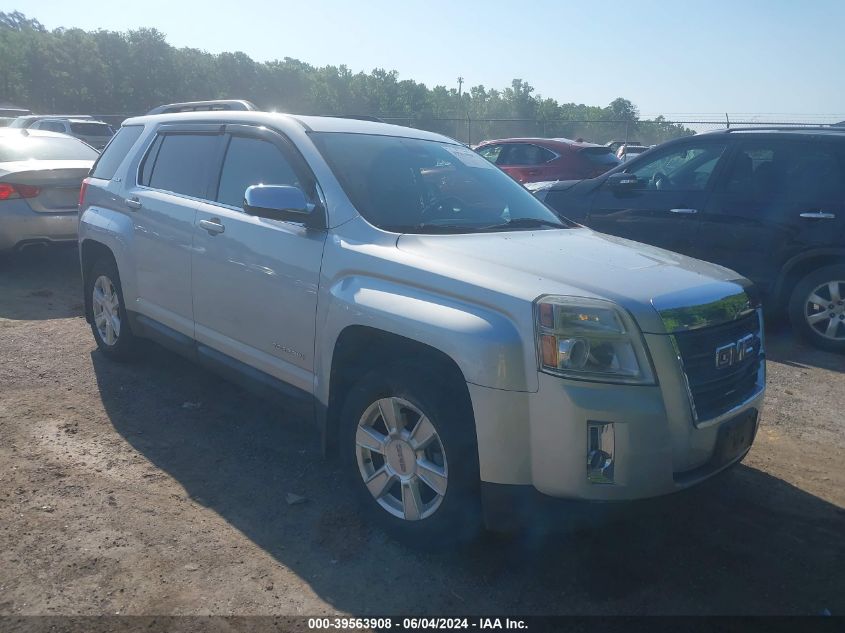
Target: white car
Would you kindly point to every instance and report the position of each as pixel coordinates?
(95, 133)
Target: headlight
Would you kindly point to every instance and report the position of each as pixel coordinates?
(590, 339)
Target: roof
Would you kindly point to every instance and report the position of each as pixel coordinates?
(73, 120)
(780, 130)
(309, 123)
(541, 140)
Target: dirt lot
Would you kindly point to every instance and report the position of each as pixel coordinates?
(158, 488)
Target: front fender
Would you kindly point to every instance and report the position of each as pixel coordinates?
(486, 345)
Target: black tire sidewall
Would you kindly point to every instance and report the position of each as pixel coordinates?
(457, 519)
(125, 345)
(798, 301)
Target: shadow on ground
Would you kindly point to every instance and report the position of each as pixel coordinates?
(41, 283)
(743, 543)
(782, 347)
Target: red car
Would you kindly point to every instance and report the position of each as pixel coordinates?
(542, 159)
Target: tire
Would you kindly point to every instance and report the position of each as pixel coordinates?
(430, 490)
(113, 335)
(817, 308)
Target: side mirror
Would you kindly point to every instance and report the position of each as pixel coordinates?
(280, 202)
(620, 181)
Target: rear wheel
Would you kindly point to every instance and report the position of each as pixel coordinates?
(817, 308)
(408, 447)
(108, 311)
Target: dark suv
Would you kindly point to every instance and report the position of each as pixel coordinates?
(768, 203)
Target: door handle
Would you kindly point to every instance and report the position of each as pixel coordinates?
(213, 226)
(684, 211)
(818, 215)
(134, 203)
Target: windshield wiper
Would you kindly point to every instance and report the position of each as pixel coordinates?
(425, 227)
(524, 223)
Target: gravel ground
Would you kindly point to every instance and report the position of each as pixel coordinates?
(158, 488)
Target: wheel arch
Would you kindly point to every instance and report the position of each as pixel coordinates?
(359, 349)
(799, 267)
(90, 251)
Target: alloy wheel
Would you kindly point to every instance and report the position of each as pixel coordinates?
(401, 459)
(825, 310)
(106, 305)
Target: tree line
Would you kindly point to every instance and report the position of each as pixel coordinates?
(126, 73)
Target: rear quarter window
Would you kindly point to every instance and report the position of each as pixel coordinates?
(600, 156)
(116, 151)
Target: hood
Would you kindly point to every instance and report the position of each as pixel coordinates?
(580, 262)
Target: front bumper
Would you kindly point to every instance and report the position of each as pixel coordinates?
(539, 441)
(20, 225)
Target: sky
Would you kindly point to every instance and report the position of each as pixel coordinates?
(668, 57)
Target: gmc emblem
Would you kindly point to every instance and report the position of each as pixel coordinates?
(734, 353)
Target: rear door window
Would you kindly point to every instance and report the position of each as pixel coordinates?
(51, 126)
(525, 154)
(182, 164)
(116, 151)
(252, 161)
(790, 169)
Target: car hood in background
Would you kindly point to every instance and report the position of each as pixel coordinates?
(581, 262)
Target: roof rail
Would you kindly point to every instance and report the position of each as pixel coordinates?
(832, 127)
(360, 117)
(199, 106)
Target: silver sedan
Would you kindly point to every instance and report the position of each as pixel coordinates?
(40, 177)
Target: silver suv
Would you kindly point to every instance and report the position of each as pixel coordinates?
(468, 355)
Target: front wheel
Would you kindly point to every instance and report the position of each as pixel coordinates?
(817, 308)
(408, 446)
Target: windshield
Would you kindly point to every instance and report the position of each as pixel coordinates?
(20, 147)
(417, 186)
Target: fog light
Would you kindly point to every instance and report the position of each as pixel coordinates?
(600, 452)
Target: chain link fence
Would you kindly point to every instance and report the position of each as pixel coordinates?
(649, 131)
(640, 132)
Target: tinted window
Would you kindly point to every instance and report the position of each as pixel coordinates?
(251, 161)
(418, 186)
(44, 148)
(115, 151)
(91, 129)
(183, 163)
(525, 154)
(600, 156)
(797, 170)
(50, 126)
(683, 169)
(491, 152)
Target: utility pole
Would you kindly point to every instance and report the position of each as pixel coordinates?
(460, 84)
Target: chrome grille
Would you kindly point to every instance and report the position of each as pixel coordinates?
(715, 390)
